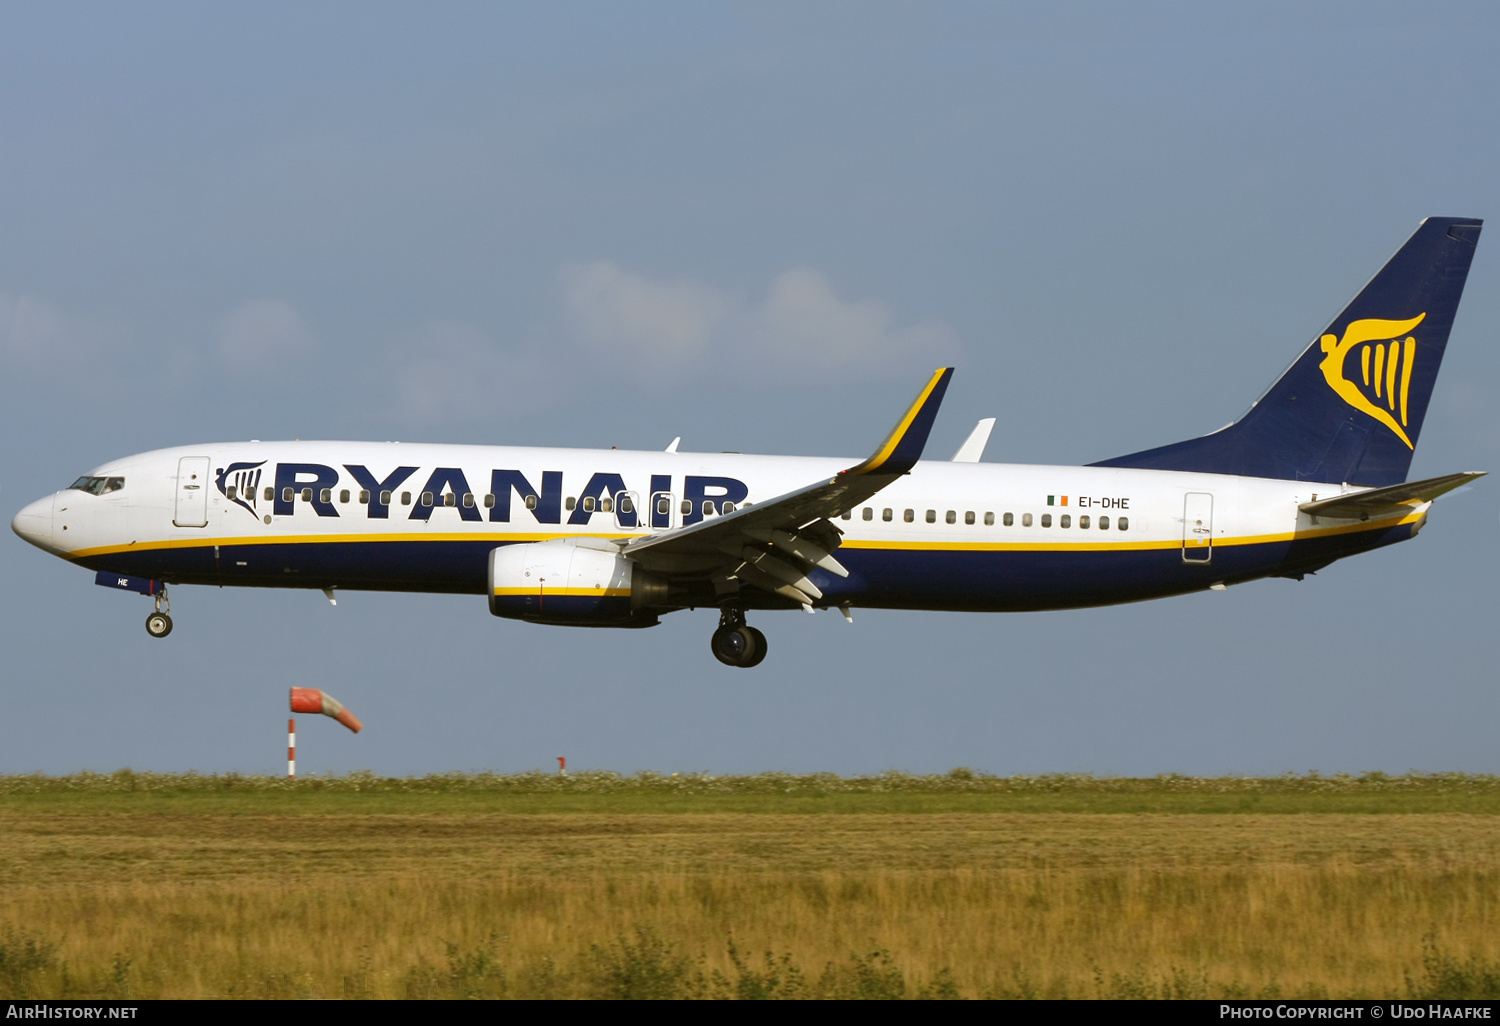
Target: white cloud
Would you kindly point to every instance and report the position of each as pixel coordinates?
(650, 327)
(450, 372)
(804, 324)
(654, 330)
(39, 339)
(262, 337)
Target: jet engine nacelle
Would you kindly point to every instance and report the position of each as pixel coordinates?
(580, 582)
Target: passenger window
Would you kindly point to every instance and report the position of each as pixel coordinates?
(606, 504)
(385, 497)
(1104, 523)
(450, 499)
(1025, 519)
(427, 498)
(344, 495)
(969, 517)
(271, 494)
(406, 498)
(364, 496)
(230, 491)
(932, 516)
(1123, 524)
(531, 501)
(989, 520)
(1046, 519)
(708, 507)
(286, 495)
(1066, 521)
(868, 514)
(886, 514)
(307, 495)
(727, 507)
(468, 500)
(325, 495)
(1083, 523)
(1009, 520)
(687, 507)
(626, 506)
(663, 506)
(847, 514)
(588, 504)
(952, 517)
(489, 500)
(570, 503)
(909, 515)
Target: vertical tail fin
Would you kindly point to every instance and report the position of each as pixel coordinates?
(1351, 407)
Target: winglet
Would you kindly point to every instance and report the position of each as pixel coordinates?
(903, 447)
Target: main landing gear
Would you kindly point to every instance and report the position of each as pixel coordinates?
(736, 643)
(159, 624)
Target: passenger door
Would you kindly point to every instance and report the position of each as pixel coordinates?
(192, 492)
(1198, 527)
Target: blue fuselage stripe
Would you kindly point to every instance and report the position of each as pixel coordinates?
(994, 580)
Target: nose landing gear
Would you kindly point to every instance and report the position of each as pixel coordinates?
(159, 624)
(736, 643)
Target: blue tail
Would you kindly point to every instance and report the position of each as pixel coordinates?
(1351, 408)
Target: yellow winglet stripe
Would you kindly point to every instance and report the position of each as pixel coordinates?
(882, 454)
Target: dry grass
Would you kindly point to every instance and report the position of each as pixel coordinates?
(186, 904)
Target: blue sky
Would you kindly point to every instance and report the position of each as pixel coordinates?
(757, 227)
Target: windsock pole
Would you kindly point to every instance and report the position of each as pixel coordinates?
(291, 749)
(562, 765)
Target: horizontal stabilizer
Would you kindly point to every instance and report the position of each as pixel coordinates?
(973, 447)
(1393, 499)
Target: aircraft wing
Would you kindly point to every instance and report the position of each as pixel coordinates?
(1391, 499)
(773, 544)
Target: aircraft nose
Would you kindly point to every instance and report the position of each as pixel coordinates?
(34, 523)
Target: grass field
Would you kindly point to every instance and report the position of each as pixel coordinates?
(599, 885)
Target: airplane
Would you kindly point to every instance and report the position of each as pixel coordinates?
(1314, 472)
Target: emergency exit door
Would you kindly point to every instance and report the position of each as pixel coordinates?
(1198, 527)
(192, 492)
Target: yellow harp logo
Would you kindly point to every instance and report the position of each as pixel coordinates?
(1385, 363)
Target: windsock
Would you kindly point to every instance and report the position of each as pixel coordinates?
(311, 700)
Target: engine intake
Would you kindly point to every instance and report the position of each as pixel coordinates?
(580, 582)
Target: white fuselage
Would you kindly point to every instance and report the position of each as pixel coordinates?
(945, 536)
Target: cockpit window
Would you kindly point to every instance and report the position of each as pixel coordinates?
(98, 485)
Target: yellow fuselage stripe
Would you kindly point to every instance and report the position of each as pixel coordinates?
(851, 543)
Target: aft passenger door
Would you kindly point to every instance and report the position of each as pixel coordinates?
(192, 492)
(1198, 527)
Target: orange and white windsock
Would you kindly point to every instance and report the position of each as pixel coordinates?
(311, 700)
